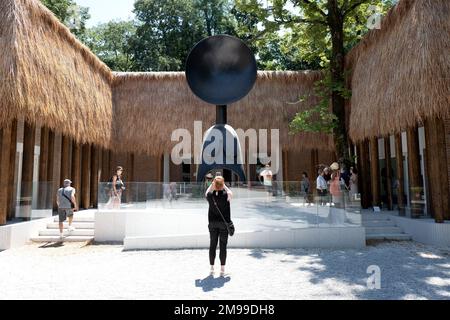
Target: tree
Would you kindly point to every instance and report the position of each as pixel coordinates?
(71, 14)
(111, 43)
(166, 31)
(217, 18)
(324, 29)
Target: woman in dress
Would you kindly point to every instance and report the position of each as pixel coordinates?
(117, 187)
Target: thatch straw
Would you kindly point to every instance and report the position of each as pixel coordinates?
(49, 77)
(149, 106)
(401, 73)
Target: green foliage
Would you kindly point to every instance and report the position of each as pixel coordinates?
(168, 29)
(111, 43)
(319, 118)
(69, 13)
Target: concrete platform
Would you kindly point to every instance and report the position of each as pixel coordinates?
(258, 225)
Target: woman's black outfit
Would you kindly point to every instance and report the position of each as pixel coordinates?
(217, 228)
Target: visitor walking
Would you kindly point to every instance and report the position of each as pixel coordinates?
(267, 177)
(321, 186)
(218, 197)
(116, 189)
(335, 185)
(67, 204)
(353, 183)
(304, 187)
(208, 180)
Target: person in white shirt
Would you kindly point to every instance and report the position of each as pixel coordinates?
(321, 186)
(267, 176)
(67, 204)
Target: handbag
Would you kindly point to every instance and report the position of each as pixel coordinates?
(229, 225)
(72, 205)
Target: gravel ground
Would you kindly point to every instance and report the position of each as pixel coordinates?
(72, 271)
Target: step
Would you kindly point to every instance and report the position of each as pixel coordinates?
(77, 232)
(374, 216)
(389, 236)
(382, 230)
(378, 223)
(66, 239)
(76, 225)
(78, 219)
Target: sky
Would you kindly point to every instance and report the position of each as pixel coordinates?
(102, 11)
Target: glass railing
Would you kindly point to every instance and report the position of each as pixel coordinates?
(33, 200)
(258, 207)
(417, 207)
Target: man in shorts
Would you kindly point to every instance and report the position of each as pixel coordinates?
(67, 204)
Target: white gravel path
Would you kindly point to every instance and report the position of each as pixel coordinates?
(408, 271)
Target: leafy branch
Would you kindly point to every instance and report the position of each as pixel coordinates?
(319, 118)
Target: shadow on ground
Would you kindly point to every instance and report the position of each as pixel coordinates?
(58, 244)
(210, 283)
(408, 270)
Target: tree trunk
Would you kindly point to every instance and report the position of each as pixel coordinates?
(335, 22)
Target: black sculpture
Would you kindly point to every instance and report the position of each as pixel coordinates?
(221, 70)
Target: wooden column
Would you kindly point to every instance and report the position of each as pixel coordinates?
(374, 172)
(414, 172)
(43, 168)
(28, 165)
(95, 175)
(363, 167)
(159, 164)
(285, 178)
(400, 175)
(12, 195)
(66, 145)
(76, 170)
(436, 160)
(106, 165)
(5, 168)
(85, 176)
(387, 155)
(129, 177)
(51, 192)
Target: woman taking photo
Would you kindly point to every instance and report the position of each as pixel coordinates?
(218, 196)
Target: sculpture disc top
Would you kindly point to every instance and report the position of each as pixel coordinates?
(221, 69)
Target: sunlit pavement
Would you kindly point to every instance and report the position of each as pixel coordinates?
(74, 271)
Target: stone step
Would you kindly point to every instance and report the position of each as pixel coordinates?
(78, 219)
(389, 236)
(77, 225)
(378, 223)
(374, 216)
(66, 239)
(76, 232)
(382, 230)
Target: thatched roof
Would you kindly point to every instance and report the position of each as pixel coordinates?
(401, 73)
(149, 106)
(49, 77)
